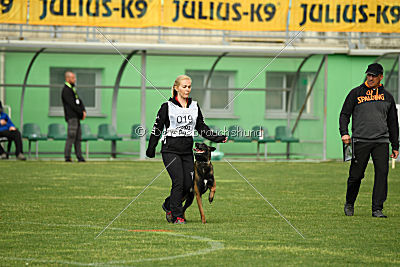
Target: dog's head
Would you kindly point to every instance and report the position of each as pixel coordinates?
(202, 152)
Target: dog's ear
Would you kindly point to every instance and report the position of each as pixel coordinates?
(212, 148)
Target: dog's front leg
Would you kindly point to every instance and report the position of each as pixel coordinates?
(212, 192)
(199, 203)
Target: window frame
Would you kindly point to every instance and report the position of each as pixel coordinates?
(284, 94)
(206, 108)
(95, 111)
(308, 112)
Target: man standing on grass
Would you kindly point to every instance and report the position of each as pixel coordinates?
(74, 111)
(374, 125)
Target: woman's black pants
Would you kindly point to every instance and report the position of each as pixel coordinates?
(181, 171)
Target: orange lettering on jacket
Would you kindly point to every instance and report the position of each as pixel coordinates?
(370, 97)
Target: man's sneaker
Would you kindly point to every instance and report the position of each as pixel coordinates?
(179, 220)
(68, 160)
(81, 160)
(21, 156)
(349, 209)
(378, 214)
(3, 156)
(168, 213)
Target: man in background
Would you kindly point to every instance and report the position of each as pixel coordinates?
(374, 126)
(8, 130)
(74, 111)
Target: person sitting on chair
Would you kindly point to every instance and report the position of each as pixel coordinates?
(3, 154)
(8, 130)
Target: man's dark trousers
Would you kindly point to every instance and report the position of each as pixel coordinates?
(380, 158)
(14, 136)
(73, 137)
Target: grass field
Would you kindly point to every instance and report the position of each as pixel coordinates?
(51, 213)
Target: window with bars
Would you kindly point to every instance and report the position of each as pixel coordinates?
(212, 100)
(277, 95)
(90, 96)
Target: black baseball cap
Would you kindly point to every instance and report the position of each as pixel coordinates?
(375, 69)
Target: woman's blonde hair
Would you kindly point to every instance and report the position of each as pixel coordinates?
(178, 82)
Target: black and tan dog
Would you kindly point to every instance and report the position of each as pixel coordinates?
(203, 175)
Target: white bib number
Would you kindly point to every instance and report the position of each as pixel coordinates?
(182, 120)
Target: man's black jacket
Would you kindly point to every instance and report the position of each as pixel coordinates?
(178, 145)
(374, 115)
(71, 108)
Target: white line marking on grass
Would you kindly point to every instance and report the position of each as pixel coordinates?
(214, 246)
(133, 200)
(266, 200)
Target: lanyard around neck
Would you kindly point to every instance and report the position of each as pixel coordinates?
(73, 89)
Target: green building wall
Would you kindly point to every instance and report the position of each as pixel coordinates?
(344, 73)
